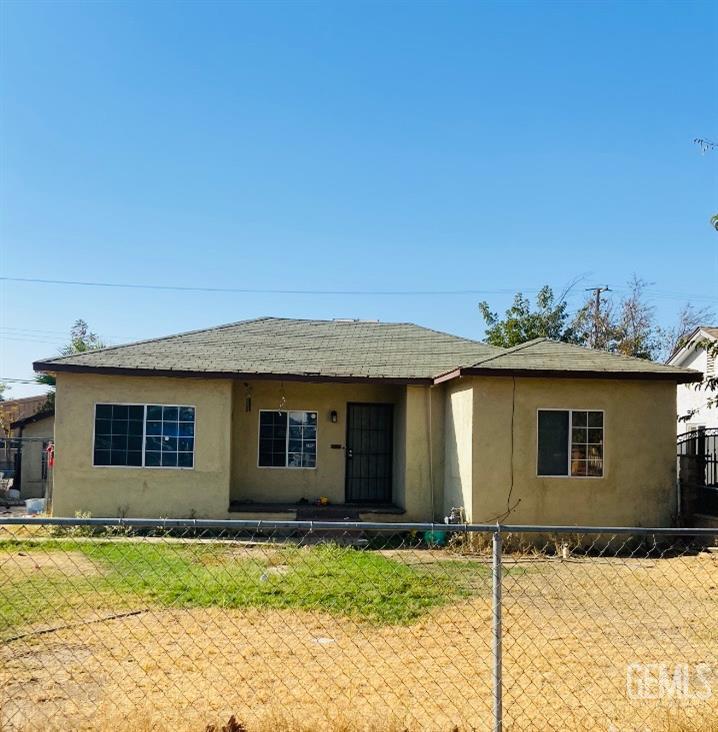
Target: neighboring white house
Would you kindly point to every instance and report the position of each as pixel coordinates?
(692, 401)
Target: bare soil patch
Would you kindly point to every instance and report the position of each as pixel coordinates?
(25, 563)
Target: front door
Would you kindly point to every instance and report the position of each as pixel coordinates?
(370, 437)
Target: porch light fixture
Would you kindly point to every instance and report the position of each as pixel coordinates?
(334, 416)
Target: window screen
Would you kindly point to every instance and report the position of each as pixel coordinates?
(552, 442)
(287, 439)
(149, 435)
(118, 434)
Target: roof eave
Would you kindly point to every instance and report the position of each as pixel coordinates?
(54, 368)
(681, 377)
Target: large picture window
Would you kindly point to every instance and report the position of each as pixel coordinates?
(570, 443)
(144, 435)
(287, 439)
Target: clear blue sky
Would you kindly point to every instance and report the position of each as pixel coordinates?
(347, 146)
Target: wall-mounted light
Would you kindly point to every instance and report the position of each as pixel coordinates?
(334, 416)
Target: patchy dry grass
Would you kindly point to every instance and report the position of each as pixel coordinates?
(337, 664)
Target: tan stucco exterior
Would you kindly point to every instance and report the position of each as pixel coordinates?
(470, 442)
(124, 491)
(638, 484)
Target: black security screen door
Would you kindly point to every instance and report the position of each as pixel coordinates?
(370, 430)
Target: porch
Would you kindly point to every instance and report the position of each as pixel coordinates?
(307, 511)
(364, 448)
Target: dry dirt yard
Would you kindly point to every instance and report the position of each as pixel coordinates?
(570, 629)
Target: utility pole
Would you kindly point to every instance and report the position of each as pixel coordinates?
(597, 310)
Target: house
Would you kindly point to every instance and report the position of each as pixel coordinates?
(692, 403)
(33, 476)
(12, 413)
(386, 421)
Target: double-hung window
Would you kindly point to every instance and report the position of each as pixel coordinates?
(287, 439)
(570, 443)
(144, 435)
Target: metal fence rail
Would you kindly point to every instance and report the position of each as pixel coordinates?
(130, 624)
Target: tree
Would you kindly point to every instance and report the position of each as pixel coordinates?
(637, 329)
(81, 339)
(521, 323)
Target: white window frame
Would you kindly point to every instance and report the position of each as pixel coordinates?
(570, 442)
(286, 441)
(144, 436)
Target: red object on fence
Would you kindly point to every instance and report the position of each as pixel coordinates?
(50, 455)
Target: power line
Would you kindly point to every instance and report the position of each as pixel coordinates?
(256, 290)
(664, 294)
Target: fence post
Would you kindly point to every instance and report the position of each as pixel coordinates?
(496, 616)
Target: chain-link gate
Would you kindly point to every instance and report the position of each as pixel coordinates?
(182, 625)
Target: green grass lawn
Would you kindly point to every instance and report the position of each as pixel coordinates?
(127, 575)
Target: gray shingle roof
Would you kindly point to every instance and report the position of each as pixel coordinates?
(281, 346)
(349, 349)
(545, 355)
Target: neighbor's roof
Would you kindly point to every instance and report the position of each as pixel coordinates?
(277, 347)
(350, 350)
(544, 356)
(690, 342)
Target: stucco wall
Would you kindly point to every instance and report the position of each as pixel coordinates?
(638, 485)
(458, 450)
(111, 491)
(32, 484)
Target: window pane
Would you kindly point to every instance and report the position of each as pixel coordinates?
(153, 443)
(103, 411)
(579, 419)
(119, 442)
(595, 436)
(595, 419)
(134, 427)
(595, 452)
(186, 429)
(594, 468)
(169, 444)
(170, 428)
(152, 459)
(185, 444)
(186, 414)
(578, 452)
(120, 411)
(134, 457)
(102, 457)
(579, 435)
(170, 414)
(154, 428)
(169, 459)
(136, 412)
(552, 442)
(185, 460)
(578, 467)
(154, 412)
(103, 442)
(103, 426)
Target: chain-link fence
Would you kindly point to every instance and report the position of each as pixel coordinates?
(182, 625)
